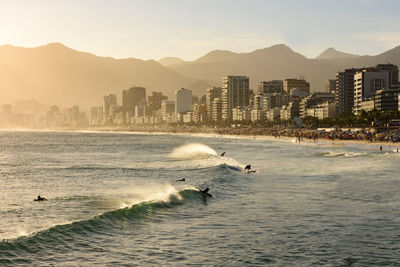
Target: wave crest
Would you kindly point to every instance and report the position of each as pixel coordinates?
(192, 151)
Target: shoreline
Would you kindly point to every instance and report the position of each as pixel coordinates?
(386, 146)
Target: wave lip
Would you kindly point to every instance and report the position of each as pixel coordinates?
(192, 151)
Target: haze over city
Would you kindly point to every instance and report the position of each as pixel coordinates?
(210, 133)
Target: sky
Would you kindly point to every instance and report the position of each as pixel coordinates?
(152, 29)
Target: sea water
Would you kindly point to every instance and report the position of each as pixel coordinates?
(114, 199)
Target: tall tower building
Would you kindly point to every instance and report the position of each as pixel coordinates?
(109, 100)
(344, 93)
(154, 101)
(366, 83)
(183, 101)
(330, 86)
(212, 93)
(235, 93)
(133, 97)
(393, 73)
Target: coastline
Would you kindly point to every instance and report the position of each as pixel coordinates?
(386, 146)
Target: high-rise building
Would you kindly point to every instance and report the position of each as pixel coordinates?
(96, 115)
(387, 99)
(183, 101)
(301, 84)
(154, 101)
(330, 86)
(212, 93)
(366, 83)
(167, 109)
(235, 93)
(109, 100)
(270, 87)
(275, 101)
(393, 72)
(133, 97)
(344, 93)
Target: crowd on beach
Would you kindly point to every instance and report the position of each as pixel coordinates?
(369, 135)
(332, 134)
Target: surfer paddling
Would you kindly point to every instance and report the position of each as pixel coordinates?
(205, 192)
(181, 180)
(39, 198)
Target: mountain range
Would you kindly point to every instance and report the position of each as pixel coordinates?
(56, 74)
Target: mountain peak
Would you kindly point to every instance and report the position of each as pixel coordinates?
(216, 55)
(332, 53)
(167, 61)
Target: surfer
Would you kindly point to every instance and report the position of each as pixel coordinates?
(181, 180)
(223, 154)
(39, 198)
(247, 168)
(205, 192)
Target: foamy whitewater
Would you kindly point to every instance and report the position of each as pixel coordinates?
(114, 199)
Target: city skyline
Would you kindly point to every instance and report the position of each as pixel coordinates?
(157, 29)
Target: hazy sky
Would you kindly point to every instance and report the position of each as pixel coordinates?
(189, 29)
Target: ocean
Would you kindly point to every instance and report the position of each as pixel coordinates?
(114, 199)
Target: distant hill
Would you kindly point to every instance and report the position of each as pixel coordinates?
(56, 74)
(331, 53)
(278, 62)
(167, 61)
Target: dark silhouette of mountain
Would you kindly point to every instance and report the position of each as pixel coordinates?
(331, 53)
(167, 61)
(278, 62)
(56, 74)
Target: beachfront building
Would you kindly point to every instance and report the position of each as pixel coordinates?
(216, 115)
(183, 102)
(301, 84)
(291, 110)
(325, 110)
(273, 114)
(133, 97)
(167, 110)
(387, 99)
(109, 100)
(241, 114)
(366, 83)
(212, 94)
(368, 105)
(96, 115)
(257, 115)
(270, 87)
(344, 93)
(235, 93)
(199, 114)
(154, 101)
(314, 99)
